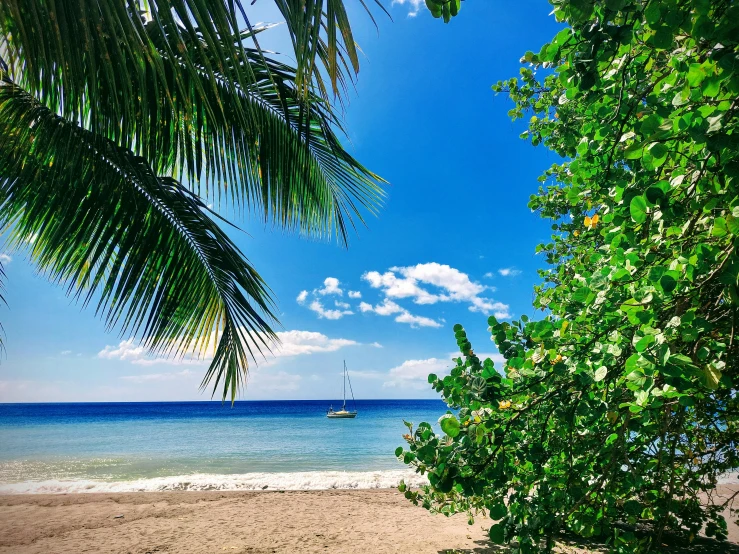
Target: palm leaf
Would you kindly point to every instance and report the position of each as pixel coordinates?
(322, 38)
(182, 90)
(142, 246)
(287, 164)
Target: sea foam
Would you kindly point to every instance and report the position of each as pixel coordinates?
(307, 480)
(295, 481)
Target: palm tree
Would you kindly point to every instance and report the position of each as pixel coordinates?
(121, 119)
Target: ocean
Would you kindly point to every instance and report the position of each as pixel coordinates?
(158, 446)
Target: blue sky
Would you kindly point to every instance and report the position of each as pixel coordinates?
(454, 242)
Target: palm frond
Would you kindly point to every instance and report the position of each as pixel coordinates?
(142, 246)
(181, 88)
(322, 38)
(287, 163)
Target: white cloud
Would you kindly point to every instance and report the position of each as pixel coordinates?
(149, 377)
(489, 275)
(330, 286)
(355, 294)
(296, 343)
(376, 345)
(388, 307)
(5, 259)
(498, 309)
(452, 286)
(414, 373)
(323, 313)
(458, 284)
(65, 352)
(126, 351)
(509, 271)
(292, 343)
(395, 287)
(417, 320)
(414, 6)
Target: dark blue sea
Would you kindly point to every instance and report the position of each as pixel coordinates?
(104, 447)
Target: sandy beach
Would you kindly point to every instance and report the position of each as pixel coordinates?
(335, 521)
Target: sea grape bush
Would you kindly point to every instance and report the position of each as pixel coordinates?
(617, 410)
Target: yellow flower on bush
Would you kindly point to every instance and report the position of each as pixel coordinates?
(504, 404)
(576, 233)
(591, 222)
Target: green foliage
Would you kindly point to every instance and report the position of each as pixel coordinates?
(618, 408)
(445, 9)
(119, 120)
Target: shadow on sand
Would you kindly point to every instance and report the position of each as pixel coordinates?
(570, 545)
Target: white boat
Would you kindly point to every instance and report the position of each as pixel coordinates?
(343, 413)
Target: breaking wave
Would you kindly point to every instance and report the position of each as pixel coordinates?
(308, 480)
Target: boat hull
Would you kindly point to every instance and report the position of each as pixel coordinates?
(340, 415)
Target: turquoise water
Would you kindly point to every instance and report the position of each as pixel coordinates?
(203, 445)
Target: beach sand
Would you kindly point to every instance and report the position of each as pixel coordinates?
(334, 521)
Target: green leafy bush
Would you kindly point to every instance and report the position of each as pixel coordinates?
(617, 409)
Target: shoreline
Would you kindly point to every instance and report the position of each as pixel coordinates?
(201, 482)
(377, 521)
(385, 479)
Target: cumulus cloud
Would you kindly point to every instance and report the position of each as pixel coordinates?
(297, 343)
(292, 343)
(509, 271)
(330, 286)
(414, 6)
(388, 307)
(5, 259)
(323, 313)
(314, 300)
(65, 352)
(126, 351)
(451, 285)
(129, 351)
(398, 287)
(498, 309)
(355, 294)
(417, 320)
(414, 373)
(489, 275)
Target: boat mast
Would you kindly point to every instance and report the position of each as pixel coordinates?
(344, 376)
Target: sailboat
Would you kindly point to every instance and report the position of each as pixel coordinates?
(343, 413)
